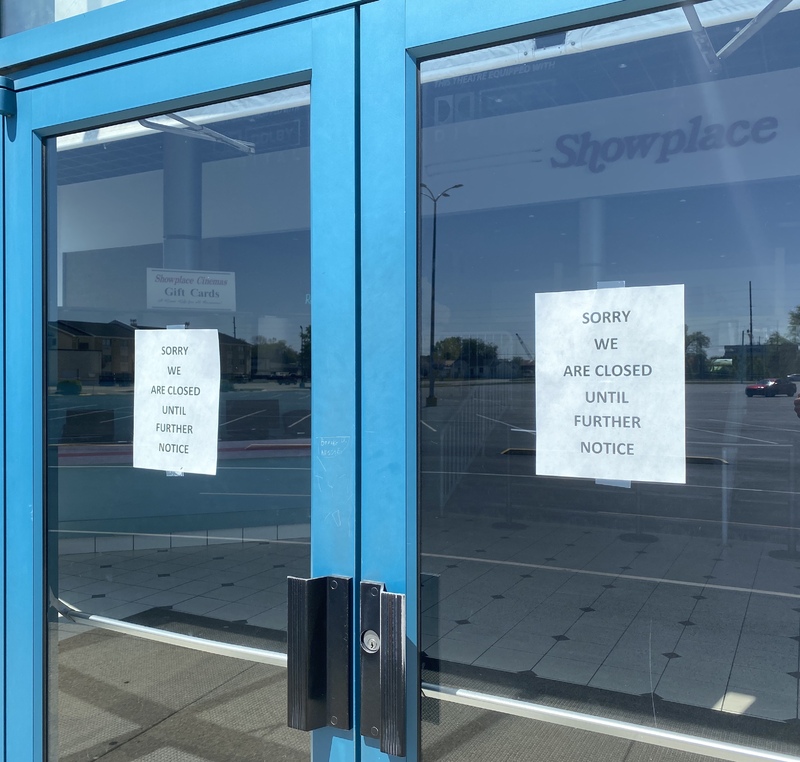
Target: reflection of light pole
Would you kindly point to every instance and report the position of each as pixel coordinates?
(300, 358)
(426, 191)
(750, 332)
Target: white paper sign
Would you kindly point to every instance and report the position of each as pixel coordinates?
(176, 401)
(610, 397)
(190, 289)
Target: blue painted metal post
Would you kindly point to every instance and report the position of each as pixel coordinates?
(24, 446)
(388, 325)
(334, 305)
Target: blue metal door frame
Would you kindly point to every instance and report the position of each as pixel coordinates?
(395, 36)
(362, 60)
(320, 50)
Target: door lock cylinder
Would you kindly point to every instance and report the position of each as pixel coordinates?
(371, 642)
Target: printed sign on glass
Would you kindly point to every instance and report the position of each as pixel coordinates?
(190, 289)
(610, 397)
(176, 401)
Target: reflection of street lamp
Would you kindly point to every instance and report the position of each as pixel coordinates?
(426, 191)
(300, 358)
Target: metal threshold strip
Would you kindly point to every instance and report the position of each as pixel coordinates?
(273, 658)
(616, 728)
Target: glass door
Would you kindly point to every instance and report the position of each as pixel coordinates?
(184, 439)
(181, 239)
(607, 342)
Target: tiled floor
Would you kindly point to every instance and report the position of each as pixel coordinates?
(242, 582)
(682, 617)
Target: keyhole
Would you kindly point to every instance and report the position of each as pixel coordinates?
(370, 641)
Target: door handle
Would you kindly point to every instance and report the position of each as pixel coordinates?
(318, 653)
(383, 667)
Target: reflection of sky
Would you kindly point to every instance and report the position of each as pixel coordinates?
(272, 281)
(498, 244)
(714, 240)
(252, 210)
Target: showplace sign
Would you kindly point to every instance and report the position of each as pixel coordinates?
(584, 151)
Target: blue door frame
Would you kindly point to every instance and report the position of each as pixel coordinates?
(362, 61)
(319, 50)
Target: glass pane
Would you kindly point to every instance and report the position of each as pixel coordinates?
(19, 15)
(129, 698)
(632, 163)
(181, 226)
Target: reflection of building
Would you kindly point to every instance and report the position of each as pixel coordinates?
(90, 352)
(103, 353)
(235, 358)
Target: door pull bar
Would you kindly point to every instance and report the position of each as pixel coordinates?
(319, 653)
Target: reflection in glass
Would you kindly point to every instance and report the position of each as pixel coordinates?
(196, 220)
(19, 15)
(625, 154)
(150, 701)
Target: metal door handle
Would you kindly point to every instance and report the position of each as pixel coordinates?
(319, 655)
(383, 667)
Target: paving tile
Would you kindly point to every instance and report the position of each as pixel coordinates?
(565, 670)
(164, 598)
(642, 660)
(125, 610)
(474, 631)
(581, 651)
(232, 612)
(99, 586)
(198, 605)
(506, 659)
(74, 597)
(132, 592)
(101, 605)
(683, 690)
(275, 619)
(196, 586)
(458, 651)
(772, 707)
(699, 669)
(761, 641)
(231, 594)
(753, 681)
(587, 631)
(623, 680)
(785, 660)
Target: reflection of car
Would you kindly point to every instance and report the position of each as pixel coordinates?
(769, 387)
(794, 376)
(283, 377)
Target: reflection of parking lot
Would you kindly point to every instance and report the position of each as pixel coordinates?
(550, 604)
(264, 411)
(263, 476)
(686, 592)
(741, 468)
